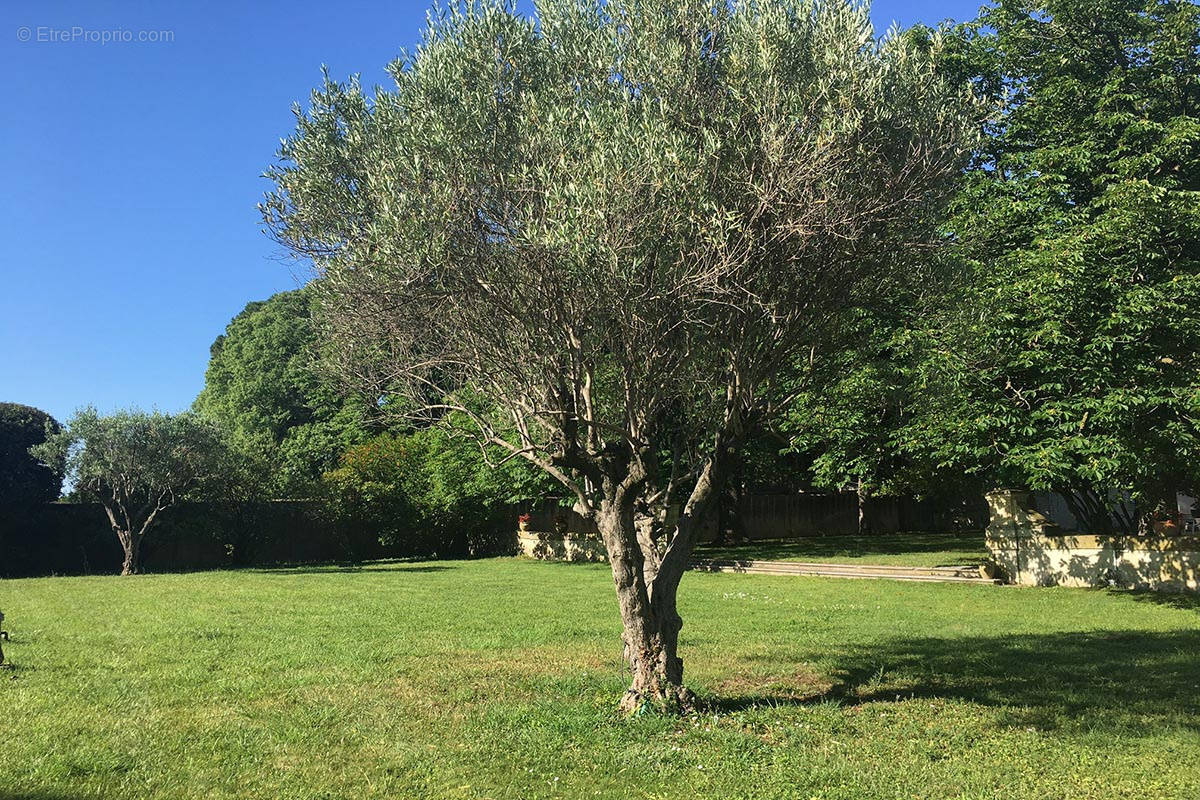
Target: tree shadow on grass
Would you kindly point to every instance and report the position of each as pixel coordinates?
(569, 564)
(1132, 681)
(1184, 601)
(397, 567)
(852, 547)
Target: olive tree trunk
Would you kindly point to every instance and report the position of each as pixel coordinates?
(646, 574)
(129, 534)
(651, 623)
(131, 544)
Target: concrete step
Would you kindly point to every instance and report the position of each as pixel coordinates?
(960, 571)
(878, 571)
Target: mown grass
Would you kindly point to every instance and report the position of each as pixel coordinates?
(902, 549)
(499, 678)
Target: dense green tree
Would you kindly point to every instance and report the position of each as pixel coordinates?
(136, 464)
(262, 385)
(614, 224)
(847, 405)
(1072, 360)
(24, 480)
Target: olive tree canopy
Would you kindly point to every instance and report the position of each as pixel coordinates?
(599, 234)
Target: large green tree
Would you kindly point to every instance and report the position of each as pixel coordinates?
(1072, 360)
(24, 480)
(136, 464)
(262, 385)
(848, 404)
(605, 232)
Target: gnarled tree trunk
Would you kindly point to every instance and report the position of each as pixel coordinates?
(651, 623)
(129, 533)
(646, 574)
(131, 543)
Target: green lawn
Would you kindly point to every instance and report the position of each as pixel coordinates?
(498, 679)
(905, 549)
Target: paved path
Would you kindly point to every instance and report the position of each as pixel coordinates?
(969, 574)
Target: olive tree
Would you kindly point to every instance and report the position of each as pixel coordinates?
(136, 464)
(600, 234)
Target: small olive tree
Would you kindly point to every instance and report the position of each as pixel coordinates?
(135, 464)
(599, 235)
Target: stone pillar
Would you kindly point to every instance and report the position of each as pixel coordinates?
(1014, 528)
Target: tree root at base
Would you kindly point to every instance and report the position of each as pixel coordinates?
(670, 700)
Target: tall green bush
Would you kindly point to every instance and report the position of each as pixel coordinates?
(24, 480)
(264, 386)
(429, 493)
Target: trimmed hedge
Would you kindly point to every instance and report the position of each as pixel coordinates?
(75, 539)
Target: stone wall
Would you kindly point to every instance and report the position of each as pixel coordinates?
(555, 547)
(1029, 549)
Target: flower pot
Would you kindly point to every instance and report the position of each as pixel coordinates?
(1166, 527)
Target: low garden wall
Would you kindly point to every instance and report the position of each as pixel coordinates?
(558, 547)
(1028, 549)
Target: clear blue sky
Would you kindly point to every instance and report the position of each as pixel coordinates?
(131, 171)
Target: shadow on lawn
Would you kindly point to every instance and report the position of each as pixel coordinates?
(853, 547)
(1132, 681)
(1185, 601)
(333, 569)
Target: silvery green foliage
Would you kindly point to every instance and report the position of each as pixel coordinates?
(138, 450)
(614, 217)
(135, 463)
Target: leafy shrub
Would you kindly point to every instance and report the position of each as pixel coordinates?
(429, 493)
